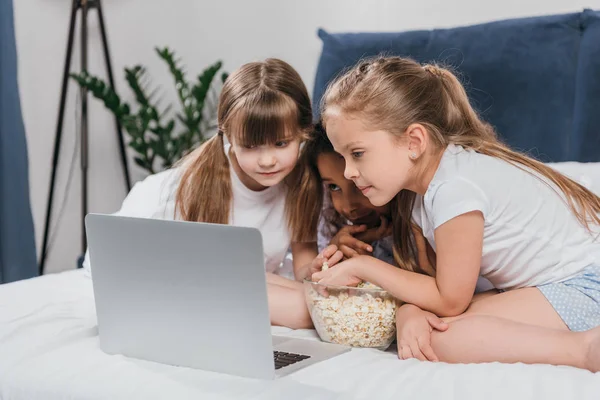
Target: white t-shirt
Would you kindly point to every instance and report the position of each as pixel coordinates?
(530, 237)
(154, 197)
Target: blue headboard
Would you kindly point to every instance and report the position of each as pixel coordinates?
(537, 80)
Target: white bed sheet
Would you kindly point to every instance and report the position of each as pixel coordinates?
(49, 350)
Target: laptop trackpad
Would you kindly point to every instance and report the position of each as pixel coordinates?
(277, 340)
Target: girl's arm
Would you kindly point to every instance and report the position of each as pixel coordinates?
(425, 254)
(303, 255)
(459, 245)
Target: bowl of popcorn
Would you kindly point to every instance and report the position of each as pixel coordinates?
(361, 316)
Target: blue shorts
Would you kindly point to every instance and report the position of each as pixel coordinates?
(577, 300)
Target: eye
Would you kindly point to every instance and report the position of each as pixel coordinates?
(332, 187)
(357, 154)
(282, 143)
(249, 147)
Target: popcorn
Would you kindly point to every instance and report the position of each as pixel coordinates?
(367, 285)
(325, 266)
(358, 318)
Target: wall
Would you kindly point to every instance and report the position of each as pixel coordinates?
(200, 32)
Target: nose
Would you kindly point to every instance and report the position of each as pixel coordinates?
(350, 172)
(266, 159)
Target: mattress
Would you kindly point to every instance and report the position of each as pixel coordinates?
(49, 350)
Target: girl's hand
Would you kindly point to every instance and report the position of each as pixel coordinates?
(330, 254)
(414, 327)
(348, 244)
(341, 275)
(377, 233)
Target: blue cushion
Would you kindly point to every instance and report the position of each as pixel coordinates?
(537, 80)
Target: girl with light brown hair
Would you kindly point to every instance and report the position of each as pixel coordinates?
(409, 135)
(251, 174)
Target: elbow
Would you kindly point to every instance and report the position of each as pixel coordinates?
(452, 308)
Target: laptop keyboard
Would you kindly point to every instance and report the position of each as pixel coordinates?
(283, 359)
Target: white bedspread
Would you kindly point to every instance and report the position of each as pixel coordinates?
(49, 350)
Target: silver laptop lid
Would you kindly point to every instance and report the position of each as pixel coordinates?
(181, 293)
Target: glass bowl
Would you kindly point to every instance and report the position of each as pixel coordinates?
(352, 316)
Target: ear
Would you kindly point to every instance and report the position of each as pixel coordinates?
(417, 140)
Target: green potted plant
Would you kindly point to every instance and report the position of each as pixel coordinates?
(152, 131)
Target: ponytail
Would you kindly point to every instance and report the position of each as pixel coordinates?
(472, 133)
(204, 193)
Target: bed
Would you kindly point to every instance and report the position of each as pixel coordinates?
(541, 88)
(49, 351)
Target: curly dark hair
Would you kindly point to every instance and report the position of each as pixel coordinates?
(319, 144)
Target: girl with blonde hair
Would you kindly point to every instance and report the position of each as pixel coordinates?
(408, 134)
(250, 174)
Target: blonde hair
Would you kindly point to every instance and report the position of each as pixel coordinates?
(260, 103)
(391, 93)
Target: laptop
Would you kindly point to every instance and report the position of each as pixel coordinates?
(190, 294)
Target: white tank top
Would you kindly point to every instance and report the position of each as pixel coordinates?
(154, 197)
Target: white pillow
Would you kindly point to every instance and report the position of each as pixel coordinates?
(586, 174)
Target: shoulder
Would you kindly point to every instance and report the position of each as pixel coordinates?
(449, 198)
(461, 174)
(157, 183)
(152, 194)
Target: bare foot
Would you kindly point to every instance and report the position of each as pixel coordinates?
(592, 358)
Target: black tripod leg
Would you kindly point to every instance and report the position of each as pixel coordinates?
(84, 126)
(112, 84)
(58, 135)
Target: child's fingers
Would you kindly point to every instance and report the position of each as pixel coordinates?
(404, 352)
(351, 229)
(335, 258)
(427, 350)
(374, 234)
(329, 251)
(317, 263)
(317, 276)
(416, 351)
(384, 228)
(437, 323)
(347, 251)
(384, 224)
(323, 291)
(331, 261)
(362, 252)
(356, 244)
(388, 229)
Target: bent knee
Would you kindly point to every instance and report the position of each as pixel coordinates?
(301, 317)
